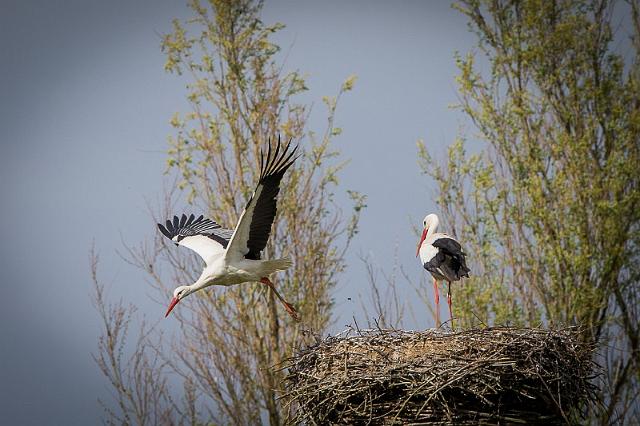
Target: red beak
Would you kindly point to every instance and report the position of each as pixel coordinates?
(424, 235)
(173, 303)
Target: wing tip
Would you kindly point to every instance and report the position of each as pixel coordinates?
(278, 161)
(164, 231)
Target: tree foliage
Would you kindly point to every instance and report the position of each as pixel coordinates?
(231, 341)
(549, 208)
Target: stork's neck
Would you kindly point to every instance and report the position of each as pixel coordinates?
(433, 226)
(202, 282)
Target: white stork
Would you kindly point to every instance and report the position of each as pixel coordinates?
(233, 256)
(443, 257)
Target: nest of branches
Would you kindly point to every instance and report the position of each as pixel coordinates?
(486, 376)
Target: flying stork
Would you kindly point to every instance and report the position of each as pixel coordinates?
(234, 256)
(443, 257)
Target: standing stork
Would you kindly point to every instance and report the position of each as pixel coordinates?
(234, 256)
(443, 257)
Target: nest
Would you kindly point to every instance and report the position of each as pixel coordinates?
(486, 376)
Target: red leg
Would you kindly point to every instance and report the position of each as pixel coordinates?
(436, 296)
(449, 302)
(288, 306)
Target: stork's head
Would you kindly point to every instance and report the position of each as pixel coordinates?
(178, 294)
(430, 222)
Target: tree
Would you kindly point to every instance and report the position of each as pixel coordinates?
(232, 341)
(549, 209)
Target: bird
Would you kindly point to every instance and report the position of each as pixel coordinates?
(443, 257)
(235, 256)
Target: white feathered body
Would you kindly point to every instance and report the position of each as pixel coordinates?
(221, 272)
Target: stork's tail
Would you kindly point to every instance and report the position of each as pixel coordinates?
(277, 265)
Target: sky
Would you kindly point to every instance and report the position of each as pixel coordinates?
(84, 118)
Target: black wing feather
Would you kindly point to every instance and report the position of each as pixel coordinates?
(165, 231)
(273, 168)
(448, 245)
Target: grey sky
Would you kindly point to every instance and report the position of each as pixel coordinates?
(84, 111)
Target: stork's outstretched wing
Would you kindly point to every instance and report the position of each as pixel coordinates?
(253, 229)
(201, 235)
